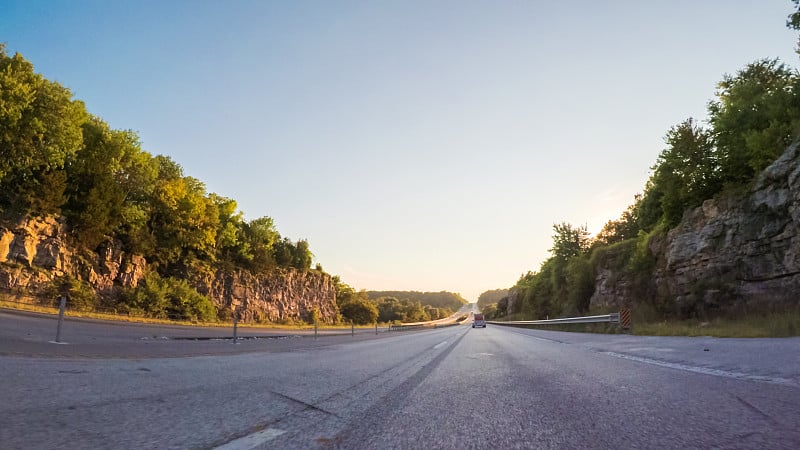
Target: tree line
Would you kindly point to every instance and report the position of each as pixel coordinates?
(367, 307)
(753, 117)
(441, 299)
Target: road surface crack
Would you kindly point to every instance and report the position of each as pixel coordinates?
(306, 405)
(753, 408)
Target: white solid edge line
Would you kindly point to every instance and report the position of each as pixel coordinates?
(706, 371)
(251, 440)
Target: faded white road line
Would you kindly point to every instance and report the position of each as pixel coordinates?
(251, 440)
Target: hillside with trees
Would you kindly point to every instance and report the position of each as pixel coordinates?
(712, 163)
(60, 161)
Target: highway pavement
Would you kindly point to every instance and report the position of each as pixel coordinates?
(31, 334)
(449, 388)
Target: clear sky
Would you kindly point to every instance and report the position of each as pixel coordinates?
(417, 145)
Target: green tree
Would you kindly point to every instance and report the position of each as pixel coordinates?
(540, 291)
(260, 237)
(110, 186)
(390, 309)
(569, 241)
(580, 284)
(184, 221)
(302, 257)
(283, 252)
(648, 208)
(40, 127)
(359, 309)
(415, 312)
(626, 227)
(793, 21)
(687, 171)
(755, 117)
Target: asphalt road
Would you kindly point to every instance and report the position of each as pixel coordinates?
(454, 387)
(31, 334)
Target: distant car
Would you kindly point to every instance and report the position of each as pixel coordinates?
(478, 320)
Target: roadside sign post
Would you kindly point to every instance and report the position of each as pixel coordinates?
(315, 329)
(352, 328)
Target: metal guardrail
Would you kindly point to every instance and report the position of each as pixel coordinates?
(403, 327)
(607, 318)
(439, 323)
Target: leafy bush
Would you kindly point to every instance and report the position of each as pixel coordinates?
(360, 311)
(169, 298)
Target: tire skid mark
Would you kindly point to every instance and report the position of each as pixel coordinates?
(392, 399)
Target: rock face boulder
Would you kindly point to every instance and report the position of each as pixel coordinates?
(275, 296)
(32, 255)
(735, 251)
(35, 252)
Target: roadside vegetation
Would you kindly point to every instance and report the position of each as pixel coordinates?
(37, 305)
(753, 117)
(769, 325)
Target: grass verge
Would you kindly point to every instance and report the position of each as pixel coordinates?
(773, 325)
(5, 303)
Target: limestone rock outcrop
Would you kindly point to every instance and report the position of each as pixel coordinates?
(735, 251)
(35, 252)
(275, 296)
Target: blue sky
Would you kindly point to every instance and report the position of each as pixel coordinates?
(417, 145)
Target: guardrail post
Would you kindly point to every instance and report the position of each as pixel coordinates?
(61, 308)
(235, 327)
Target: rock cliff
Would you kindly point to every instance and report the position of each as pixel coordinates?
(282, 294)
(734, 252)
(35, 252)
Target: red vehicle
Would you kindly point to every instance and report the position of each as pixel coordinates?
(478, 320)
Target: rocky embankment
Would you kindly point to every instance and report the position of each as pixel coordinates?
(35, 252)
(736, 251)
(274, 296)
